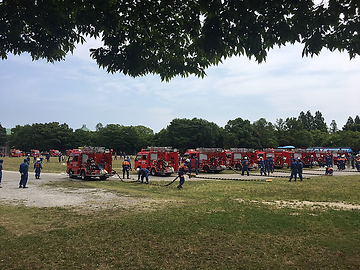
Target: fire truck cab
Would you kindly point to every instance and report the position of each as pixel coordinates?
(55, 153)
(16, 153)
(89, 162)
(210, 159)
(35, 153)
(158, 160)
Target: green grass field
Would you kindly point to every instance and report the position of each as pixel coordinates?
(207, 225)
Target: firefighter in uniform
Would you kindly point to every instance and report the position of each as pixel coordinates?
(300, 167)
(196, 166)
(181, 172)
(126, 168)
(329, 171)
(357, 162)
(128, 160)
(321, 161)
(328, 160)
(352, 161)
(269, 165)
(24, 169)
(294, 170)
(1, 163)
(37, 168)
(262, 166)
(245, 166)
(143, 173)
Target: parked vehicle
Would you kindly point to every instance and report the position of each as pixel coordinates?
(89, 162)
(210, 159)
(158, 160)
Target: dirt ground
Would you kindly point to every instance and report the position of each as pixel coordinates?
(40, 195)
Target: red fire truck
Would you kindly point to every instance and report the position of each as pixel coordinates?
(16, 153)
(210, 159)
(55, 153)
(89, 162)
(236, 155)
(159, 160)
(35, 153)
(305, 156)
(239, 154)
(281, 157)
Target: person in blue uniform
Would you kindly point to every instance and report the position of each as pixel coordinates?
(328, 160)
(300, 167)
(293, 167)
(268, 164)
(126, 168)
(24, 170)
(128, 160)
(245, 166)
(1, 168)
(189, 166)
(143, 173)
(181, 172)
(262, 166)
(196, 166)
(357, 162)
(47, 157)
(37, 168)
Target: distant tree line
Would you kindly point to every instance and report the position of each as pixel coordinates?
(306, 130)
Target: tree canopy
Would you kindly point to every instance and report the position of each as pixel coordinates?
(175, 37)
(190, 133)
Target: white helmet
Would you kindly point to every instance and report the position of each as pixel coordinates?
(138, 169)
(187, 160)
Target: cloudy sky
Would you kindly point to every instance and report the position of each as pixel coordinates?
(76, 91)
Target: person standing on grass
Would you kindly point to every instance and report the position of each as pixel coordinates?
(37, 168)
(1, 163)
(300, 167)
(24, 169)
(128, 160)
(181, 173)
(293, 168)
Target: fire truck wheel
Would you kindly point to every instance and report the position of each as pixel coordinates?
(307, 160)
(214, 162)
(206, 169)
(279, 161)
(102, 177)
(71, 174)
(153, 172)
(83, 175)
(238, 167)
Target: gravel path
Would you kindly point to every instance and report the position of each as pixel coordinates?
(40, 195)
